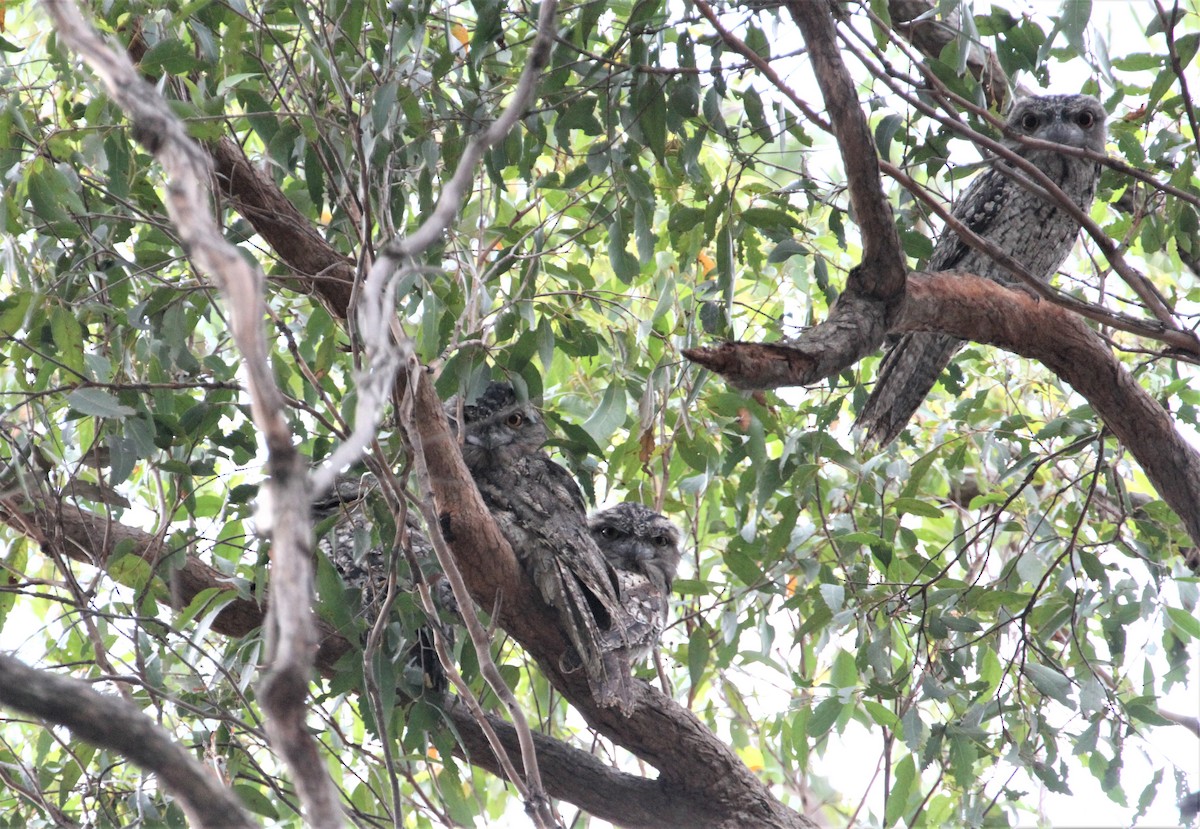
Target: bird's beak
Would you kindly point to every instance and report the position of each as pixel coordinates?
(1060, 132)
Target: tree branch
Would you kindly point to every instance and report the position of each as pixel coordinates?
(883, 269)
(530, 788)
(112, 723)
(692, 761)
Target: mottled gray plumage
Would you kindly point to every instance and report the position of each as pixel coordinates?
(1028, 225)
(540, 510)
(643, 547)
(365, 566)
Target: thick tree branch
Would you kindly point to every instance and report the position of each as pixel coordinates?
(979, 310)
(883, 270)
(111, 722)
(530, 787)
(317, 267)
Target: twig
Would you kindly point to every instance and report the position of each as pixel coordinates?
(1169, 21)
(758, 62)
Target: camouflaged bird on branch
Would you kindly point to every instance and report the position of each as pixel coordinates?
(1004, 208)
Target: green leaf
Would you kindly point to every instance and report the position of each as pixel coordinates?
(824, 716)
(171, 56)
(963, 755)
(684, 218)
(768, 218)
(912, 506)
(650, 108)
(97, 403)
(901, 792)
(785, 250)
(843, 674)
(1184, 622)
(881, 714)
(608, 415)
(53, 199)
(698, 654)
(254, 800)
(1050, 682)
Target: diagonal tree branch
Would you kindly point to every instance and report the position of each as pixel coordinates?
(111, 722)
(883, 270)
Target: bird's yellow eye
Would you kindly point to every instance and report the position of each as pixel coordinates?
(515, 420)
(1085, 119)
(1029, 122)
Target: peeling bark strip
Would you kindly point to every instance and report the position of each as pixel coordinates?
(291, 630)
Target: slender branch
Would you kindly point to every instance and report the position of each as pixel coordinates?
(758, 62)
(111, 722)
(531, 788)
(455, 190)
(1168, 22)
(291, 631)
(883, 269)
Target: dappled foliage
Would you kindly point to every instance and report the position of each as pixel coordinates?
(999, 593)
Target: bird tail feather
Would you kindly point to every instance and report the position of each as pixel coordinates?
(906, 376)
(599, 640)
